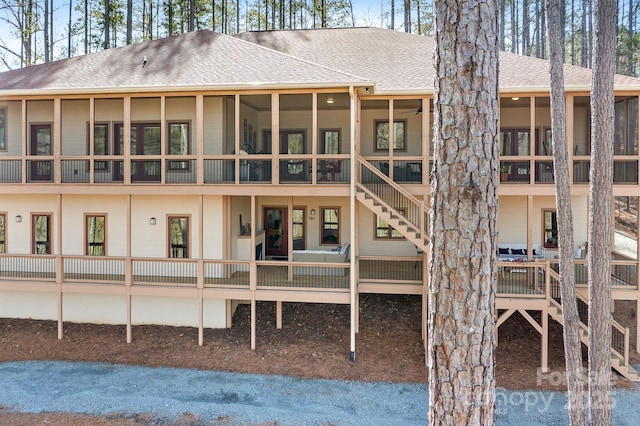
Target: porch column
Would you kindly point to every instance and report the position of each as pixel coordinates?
(529, 227)
(638, 325)
(128, 271)
(57, 140)
(59, 267)
(201, 271)
(353, 224)
(544, 356)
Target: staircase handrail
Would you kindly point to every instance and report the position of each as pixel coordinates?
(420, 204)
(615, 324)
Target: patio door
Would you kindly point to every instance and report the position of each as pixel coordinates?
(40, 145)
(145, 140)
(275, 220)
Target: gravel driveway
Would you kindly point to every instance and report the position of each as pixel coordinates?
(168, 393)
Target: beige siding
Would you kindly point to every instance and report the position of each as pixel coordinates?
(152, 240)
(313, 224)
(75, 124)
(213, 124)
(369, 246)
(14, 128)
(512, 217)
(19, 234)
(75, 207)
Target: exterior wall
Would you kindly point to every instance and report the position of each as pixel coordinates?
(312, 230)
(369, 246)
(176, 311)
(515, 231)
(75, 125)
(39, 306)
(74, 208)
(108, 309)
(214, 232)
(39, 112)
(213, 124)
(14, 128)
(239, 206)
(19, 234)
(413, 130)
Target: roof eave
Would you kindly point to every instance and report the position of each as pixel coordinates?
(183, 88)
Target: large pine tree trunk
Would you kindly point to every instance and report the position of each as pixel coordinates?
(571, 332)
(463, 215)
(600, 202)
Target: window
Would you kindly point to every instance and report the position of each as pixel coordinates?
(179, 139)
(514, 142)
(95, 235)
(330, 232)
(179, 145)
(298, 229)
(3, 233)
(382, 135)
(100, 143)
(626, 127)
(3, 129)
(550, 226)
(386, 231)
(41, 231)
(330, 140)
(178, 236)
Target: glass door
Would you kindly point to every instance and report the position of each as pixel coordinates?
(145, 140)
(275, 220)
(40, 145)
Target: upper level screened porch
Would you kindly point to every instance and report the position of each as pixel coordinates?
(227, 139)
(206, 139)
(527, 159)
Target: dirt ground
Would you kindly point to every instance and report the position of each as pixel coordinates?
(313, 342)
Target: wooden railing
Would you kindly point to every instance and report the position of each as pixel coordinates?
(384, 190)
(619, 334)
(121, 271)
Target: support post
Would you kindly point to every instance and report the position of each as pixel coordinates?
(544, 361)
(279, 314)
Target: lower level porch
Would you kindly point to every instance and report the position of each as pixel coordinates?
(196, 288)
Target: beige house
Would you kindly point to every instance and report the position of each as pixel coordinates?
(144, 184)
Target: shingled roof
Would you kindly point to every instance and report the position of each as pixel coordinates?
(403, 63)
(390, 61)
(195, 60)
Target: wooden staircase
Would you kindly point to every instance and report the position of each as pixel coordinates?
(400, 209)
(620, 334)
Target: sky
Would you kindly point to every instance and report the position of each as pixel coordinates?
(367, 13)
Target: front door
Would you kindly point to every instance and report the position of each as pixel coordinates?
(40, 145)
(145, 140)
(275, 220)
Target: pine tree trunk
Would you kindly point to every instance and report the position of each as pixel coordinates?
(571, 319)
(463, 215)
(600, 202)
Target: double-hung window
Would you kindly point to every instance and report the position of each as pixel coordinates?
(178, 236)
(3, 233)
(550, 227)
(95, 235)
(3, 129)
(386, 231)
(41, 233)
(330, 225)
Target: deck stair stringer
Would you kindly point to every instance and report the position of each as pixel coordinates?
(619, 361)
(408, 215)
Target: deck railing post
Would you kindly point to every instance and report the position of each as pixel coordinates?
(547, 280)
(626, 346)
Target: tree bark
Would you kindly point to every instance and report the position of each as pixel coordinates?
(463, 214)
(46, 31)
(600, 202)
(571, 319)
